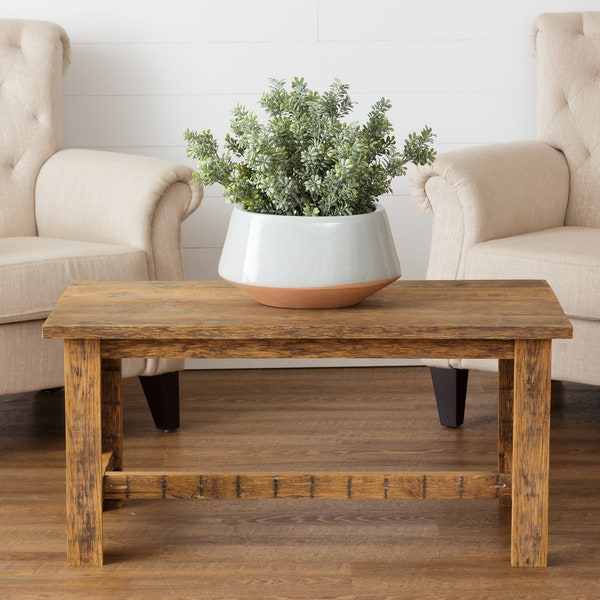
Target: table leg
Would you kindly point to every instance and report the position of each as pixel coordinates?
(531, 451)
(112, 419)
(83, 452)
(506, 369)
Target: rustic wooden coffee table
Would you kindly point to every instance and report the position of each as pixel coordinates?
(103, 322)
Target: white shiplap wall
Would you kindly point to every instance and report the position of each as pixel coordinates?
(143, 72)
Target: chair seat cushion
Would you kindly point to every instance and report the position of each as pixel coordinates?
(34, 271)
(568, 258)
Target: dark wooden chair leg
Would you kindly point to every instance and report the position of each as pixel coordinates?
(450, 388)
(162, 395)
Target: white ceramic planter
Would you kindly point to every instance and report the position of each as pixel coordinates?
(309, 262)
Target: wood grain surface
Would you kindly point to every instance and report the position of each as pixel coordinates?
(408, 310)
(513, 321)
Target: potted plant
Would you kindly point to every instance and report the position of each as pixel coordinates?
(307, 230)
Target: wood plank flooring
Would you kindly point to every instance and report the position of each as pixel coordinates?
(295, 419)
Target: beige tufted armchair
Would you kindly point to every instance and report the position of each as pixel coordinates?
(529, 209)
(73, 214)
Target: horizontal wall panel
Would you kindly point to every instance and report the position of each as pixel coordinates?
(138, 21)
(144, 121)
(185, 68)
(435, 19)
(135, 21)
(200, 264)
(411, 230)
(206, 228)
(392, 20)
(240, 68)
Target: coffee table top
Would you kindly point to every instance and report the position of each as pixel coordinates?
(483, 309)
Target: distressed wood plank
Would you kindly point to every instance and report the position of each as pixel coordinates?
(107, 462)
(405, 310)
(228, 486)
(83, 452)
(112, 418)
(298, 348)
(531, 451)
(506, 370)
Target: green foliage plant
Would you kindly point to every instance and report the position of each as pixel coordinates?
(307, 159)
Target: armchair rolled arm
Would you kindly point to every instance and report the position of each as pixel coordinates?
(489, 192)
(118, 198)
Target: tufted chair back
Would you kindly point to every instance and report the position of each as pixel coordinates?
(33, 56)
(567, 47)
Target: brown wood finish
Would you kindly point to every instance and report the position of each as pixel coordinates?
(84, 451)
(406, 310)
(531, 453)
(227, 486)
(508, 320)
(506, 370)
(286, 420)
(112, 419)
(289, 348)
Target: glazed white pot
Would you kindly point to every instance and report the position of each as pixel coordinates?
(309, 262)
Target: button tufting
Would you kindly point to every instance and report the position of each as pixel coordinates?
(14, 45)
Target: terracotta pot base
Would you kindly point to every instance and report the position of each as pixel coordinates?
(337, 296)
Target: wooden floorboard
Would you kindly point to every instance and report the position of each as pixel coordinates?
(300, 420)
